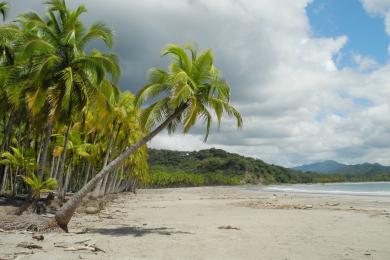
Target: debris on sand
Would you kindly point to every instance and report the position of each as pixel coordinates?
(29, 245)
(228, 227)
(38, 237)
(332, 204)
(84, 247)
(271, 205)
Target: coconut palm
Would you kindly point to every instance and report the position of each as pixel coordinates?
(4, 9)
(18, 163)
(37, 186)
(65, 79)
(187, 91)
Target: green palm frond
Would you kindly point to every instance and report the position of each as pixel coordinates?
(191, 81)
(100, 31)
(4, 9)
(38, 186)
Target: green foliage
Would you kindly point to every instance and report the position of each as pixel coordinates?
(160, 179)
(52, 81)
(17, 159)
(163, 180)
(4, 9)
(191, 83)
(38, 186)
(219, 167)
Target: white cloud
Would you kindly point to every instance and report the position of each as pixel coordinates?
(379, 7)
(376, 6)
(364, 63)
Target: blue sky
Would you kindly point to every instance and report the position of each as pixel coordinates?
(366, 33)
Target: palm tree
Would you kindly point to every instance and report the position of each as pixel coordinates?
(4, 9)
(18, 163)
(37, 186)
(63, 75)
(189, 89)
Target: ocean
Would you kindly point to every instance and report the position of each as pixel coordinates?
(360, 188)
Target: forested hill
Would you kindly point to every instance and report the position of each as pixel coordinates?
(332, 167)
(217, 166)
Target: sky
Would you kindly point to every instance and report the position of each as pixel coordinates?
(310, 77)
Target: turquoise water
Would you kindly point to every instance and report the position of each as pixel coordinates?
(361, 188)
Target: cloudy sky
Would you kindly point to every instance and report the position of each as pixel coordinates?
(311, 78)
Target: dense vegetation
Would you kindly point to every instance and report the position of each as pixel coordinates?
(62, 116)
(217, 167)
(66, 124)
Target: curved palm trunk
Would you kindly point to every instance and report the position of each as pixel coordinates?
(65, 213)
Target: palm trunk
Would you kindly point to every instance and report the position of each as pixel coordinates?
(53, 163)
(111, 181)
(107, 179)
(63, 161)
(65, 213)
(56, 169)
(67, 180)
(87, 173)
(8, 131)
(98, 189)
(4, 184)
(43, 156)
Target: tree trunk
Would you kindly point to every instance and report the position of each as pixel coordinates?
(63, 161)
(104, 188)
(43, 156)
(101, 185)
(56, 169)
(87, 173)
(53, 163)
(8, 131)
(65, 213)
(4, 184)
(67, 180)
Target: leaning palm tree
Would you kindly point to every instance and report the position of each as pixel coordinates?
(4, 9)
(189, 90)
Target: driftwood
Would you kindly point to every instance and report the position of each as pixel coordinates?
(85, 247)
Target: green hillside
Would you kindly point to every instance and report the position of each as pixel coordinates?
(218, 167)
(215, 167)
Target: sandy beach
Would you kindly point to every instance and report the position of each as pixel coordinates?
(219, 223)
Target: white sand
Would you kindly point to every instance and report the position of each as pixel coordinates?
(184, 224)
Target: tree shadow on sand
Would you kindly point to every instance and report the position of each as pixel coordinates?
(135, 231)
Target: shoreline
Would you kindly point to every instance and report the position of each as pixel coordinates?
(220, 223)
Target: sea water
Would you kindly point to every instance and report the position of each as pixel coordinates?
(360, 188)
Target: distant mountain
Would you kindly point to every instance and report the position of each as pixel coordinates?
(333, 167)
(322, 167)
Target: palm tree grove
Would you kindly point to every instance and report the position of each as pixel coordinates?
(68, 130)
